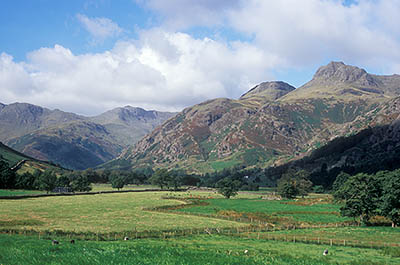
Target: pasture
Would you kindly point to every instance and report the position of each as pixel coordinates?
(206, 249)
(103, 213)
(203, 211)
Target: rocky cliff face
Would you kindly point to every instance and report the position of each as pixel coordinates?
(71, 140)
(271, 124)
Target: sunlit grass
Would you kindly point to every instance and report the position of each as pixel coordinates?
(99, 213)
(184, 250)
(376, 235)
(314, 213)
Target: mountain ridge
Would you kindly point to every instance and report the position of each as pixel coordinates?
(260, 130)
(55, 135)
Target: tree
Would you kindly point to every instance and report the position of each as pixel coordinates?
(80, 182)
(65, 179)
(337, 185)
(293, 183)
(228, 187)
(161, 178)
(361, 195)
(47, 180)
(25, 181)
(175, 181)
(287, 189)
(93, 176)
(318, 189)
(7, 176)
(303, 186)
(117, 180)
(390, 204)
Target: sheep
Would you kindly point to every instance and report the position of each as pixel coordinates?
(54, 242)
(126, 238)
(325, 252)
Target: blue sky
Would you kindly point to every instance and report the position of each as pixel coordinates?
(90, 56)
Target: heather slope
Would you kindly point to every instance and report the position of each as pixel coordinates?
(271, 124)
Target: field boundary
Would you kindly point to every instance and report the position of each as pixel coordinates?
(241, 232)
(28, 196)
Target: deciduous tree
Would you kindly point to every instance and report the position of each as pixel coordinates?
(228, 187)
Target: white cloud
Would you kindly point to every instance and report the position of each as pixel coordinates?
(161, 70)
(310, 31)
(168, 70)
(100, 28)
(300, 33)
(13, 78)
(182, 14)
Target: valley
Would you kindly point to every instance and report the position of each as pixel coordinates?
(221, 235)
(279, 176)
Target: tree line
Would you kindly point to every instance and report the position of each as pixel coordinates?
(367, 195)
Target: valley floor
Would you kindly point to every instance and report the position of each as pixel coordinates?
(188, 228)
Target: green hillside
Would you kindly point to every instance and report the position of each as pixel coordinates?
(13, 158)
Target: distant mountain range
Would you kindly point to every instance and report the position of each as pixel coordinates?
(272, 124)
(72, 140)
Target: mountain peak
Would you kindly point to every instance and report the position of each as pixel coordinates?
(341, 72)
(271, 90)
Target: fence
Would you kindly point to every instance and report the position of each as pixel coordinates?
(249, 232)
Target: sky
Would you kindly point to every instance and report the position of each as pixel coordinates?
(91, 56)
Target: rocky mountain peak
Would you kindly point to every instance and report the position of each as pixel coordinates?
(340, 72)
(271, 90)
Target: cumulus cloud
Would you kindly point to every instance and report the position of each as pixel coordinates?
(166, 69)
(300, 33)
(100, 28)
(309, 31)
(161, 70)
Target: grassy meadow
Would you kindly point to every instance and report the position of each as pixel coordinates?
(205, 249)
(203, 211)
(274, 211)
(100, 213)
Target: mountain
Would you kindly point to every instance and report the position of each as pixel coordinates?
(18, 119)
(375, 148)
(129, 124)
(347, 83)
(21, 162)
(71, 140)
(271, 124)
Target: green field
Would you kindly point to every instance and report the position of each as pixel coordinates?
(102, 213)
(375, 236)
(210, 239)
(184, 250)
(274, 211)
(19, 192)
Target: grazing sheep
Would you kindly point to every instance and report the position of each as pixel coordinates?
(246, 251)
(126, 238)
(325, 252)
(55, 242)
(72, 241)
